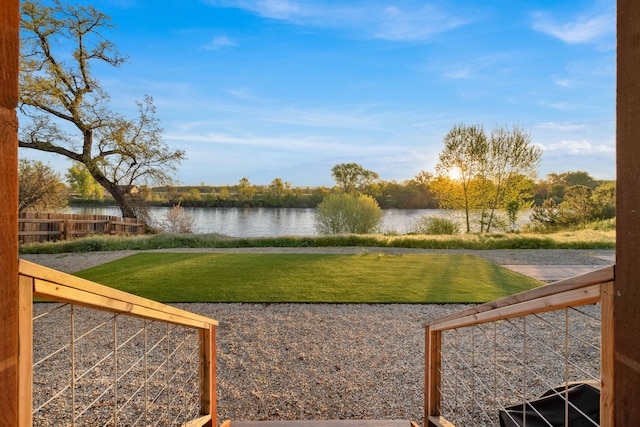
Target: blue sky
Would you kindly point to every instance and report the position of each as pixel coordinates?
(276, 88)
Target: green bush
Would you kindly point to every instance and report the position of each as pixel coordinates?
(348, 214)
(436, 225)
(581, 206)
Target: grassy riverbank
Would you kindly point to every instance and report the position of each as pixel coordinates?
(310, 278)
(581, 239)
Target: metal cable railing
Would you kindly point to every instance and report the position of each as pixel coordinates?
(521, 357)
(101, 357)
(480, 365)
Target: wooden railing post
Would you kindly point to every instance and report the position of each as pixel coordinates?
(25, 351)
(432, 377)
(9, 347)
(65, 225)
(607, 355)
(208, 394)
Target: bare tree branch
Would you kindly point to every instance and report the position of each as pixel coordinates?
(62, 88)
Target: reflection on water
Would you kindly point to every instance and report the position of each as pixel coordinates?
(267, 222)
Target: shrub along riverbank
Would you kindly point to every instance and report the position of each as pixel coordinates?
(581, 239)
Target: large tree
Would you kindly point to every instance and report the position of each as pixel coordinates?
(352, 177)
(81, 182)
(463, 158)
(40, 188)
(67, 111)
(510, 157)
(489, 169)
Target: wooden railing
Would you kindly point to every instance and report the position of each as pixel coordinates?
(590, 288)
(41, 282)
(44, 227)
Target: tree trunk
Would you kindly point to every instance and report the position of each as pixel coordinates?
(125, 203)
(120, 194)
(466, 207)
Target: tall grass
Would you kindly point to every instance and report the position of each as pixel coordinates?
(579, 239)
(434, 225)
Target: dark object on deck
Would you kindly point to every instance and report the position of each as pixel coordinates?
(549, 409)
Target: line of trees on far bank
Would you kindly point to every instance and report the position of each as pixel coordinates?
(420, 192)
(410, 194)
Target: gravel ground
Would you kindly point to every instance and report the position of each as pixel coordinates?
(319, 361)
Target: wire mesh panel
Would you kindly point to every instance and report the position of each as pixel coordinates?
(97, 368)
(490, 367)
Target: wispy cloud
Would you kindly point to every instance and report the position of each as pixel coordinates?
(243, 93)
(586, 73)
(577, 147)
(488, 65)
(461, 73)
(319, 145)
(282, 142)
(123, 4)
(320, 131)
(367, 118)
(419, 23)
(373, 19)
(562, 127)
(564, 82)
(219, 42)
(364, 118)
(563, 106)
(289, 10)
(586, 28)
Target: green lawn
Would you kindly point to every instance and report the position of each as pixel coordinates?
(310, 278)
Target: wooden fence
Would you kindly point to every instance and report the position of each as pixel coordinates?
(34, 227)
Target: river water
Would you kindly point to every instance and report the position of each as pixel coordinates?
(267, 222)
(271, 222)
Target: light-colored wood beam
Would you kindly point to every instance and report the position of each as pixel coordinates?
(605, 274)
(63, 287)
(25, 361)
(576, 297)
(432, 376)
(607, 355)
(208, 394)
(9, 310)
